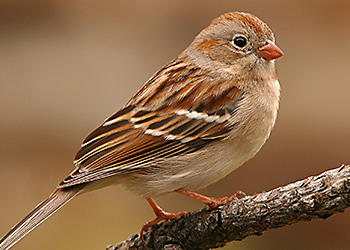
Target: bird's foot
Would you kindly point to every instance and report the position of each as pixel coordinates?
(161, 215)
(211, 202)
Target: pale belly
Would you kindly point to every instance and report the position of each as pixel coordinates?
(194, 171)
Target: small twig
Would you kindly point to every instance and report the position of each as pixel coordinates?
(314, 197)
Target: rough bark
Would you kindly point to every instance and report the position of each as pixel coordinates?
(314, 197)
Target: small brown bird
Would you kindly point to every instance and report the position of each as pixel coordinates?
(194, 121)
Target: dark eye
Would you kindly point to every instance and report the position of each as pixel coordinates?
(240, 41)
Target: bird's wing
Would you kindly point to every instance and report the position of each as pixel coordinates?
(176, 112)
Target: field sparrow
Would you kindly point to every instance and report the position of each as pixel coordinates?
(194, 121)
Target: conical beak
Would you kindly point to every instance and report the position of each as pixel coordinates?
(269, 51)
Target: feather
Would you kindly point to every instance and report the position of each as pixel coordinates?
(179, 116)
(39, 214)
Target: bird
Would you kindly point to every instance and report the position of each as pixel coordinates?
(197, 119)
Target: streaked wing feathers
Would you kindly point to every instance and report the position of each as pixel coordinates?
(176, 112)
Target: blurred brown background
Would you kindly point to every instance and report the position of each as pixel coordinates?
(67, 65)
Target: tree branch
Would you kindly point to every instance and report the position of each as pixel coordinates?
(314, 197)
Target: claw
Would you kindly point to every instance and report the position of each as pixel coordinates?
(160, 216)
(212, 202)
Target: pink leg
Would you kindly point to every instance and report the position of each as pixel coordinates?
(160, 215)
(212, 202)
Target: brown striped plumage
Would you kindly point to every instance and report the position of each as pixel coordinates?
(111, 147)
(193, 122)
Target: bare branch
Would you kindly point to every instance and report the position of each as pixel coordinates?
(314, 197)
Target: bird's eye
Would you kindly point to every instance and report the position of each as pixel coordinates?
(240, 41)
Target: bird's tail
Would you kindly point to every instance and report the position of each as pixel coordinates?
(40, 213)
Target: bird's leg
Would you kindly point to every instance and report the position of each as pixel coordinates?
(212, 202)
(160, 215)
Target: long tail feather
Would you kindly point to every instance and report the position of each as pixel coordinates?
(40, 213)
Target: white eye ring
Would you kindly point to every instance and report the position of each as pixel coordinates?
(240, 41)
